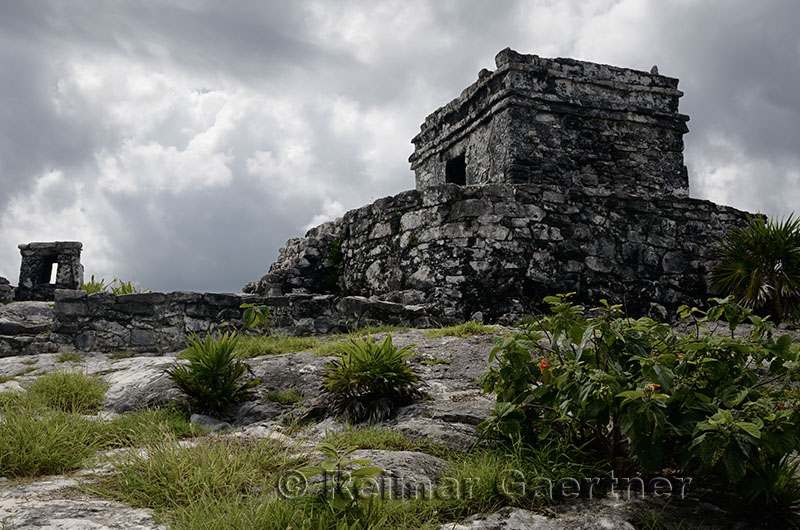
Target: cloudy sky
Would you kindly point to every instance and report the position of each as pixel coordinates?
(184, 141)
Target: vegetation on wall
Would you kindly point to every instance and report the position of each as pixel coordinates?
(116, 286)
(335, 259)
(759, 265)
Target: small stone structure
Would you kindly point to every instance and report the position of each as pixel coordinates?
(558, 121)
(49, 266)
(545, 176)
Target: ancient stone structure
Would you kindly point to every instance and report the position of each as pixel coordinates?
(46, 267)
(545, 176)
(558, 121)
(160, 322)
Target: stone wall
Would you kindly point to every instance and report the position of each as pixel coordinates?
(499, 249)
(160, 322)
(559, 121)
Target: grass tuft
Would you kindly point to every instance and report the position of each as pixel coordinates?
(69, 357)
(461, 330)
(68, 391)
(255, 345)
(168, 477)
(290, 397)
(372, 437)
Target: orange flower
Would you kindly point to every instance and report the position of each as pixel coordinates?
(543, 364)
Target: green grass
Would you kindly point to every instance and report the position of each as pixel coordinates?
(69, 357)
(332, 344)
(461, 330)
(232, 483)
(39, 435)
(68, 391)
(29, 362)
(169, 478)
(255, 345)
(435, 361)
(6, 378)
(290, 397)
(35, 441)
(385, 439)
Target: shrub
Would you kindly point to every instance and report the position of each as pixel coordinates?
(760, 265)
(214, 379)
(342, 486)
(366, 381)
(255, 315)
(68, 391)
(632, 388)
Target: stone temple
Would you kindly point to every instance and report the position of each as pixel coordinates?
(545, 176)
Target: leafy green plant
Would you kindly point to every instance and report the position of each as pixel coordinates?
(366, 381)
(771, 490)
(639, 393)
(254, 316)
(68, 391)
(760, 265)
(342, 487)
(214, 379)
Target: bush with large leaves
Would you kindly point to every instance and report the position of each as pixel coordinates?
(214, 379)
(367, 380)
(759, 265)
(645, 396)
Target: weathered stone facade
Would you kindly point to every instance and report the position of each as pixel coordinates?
(562, 122)
(38, 260)
(545, 176)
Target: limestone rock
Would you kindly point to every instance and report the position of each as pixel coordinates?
(519, 519)
(56, 503)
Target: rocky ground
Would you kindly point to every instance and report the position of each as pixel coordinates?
(449, 368)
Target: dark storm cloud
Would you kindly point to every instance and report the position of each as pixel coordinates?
(184, 142)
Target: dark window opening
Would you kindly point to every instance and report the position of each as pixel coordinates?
(47, 271)
(455, 171)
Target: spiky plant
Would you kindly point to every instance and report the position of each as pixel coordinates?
(760, 265)
(214, 379)
(367, 380)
